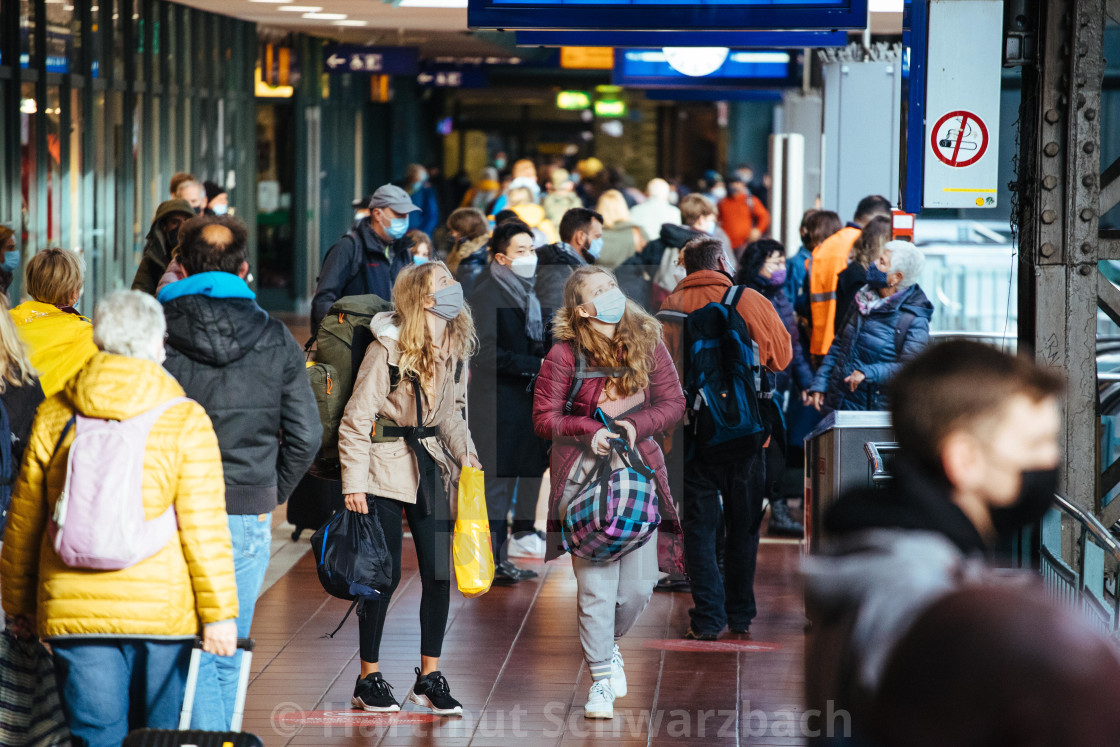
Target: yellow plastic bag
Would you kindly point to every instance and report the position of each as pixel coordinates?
(471, 550)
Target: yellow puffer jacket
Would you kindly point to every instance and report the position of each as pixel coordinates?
(59, 343)
(187, 582)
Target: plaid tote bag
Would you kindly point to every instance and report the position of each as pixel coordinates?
(614, 512)
(30, 711)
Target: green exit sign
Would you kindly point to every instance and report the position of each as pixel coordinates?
(573, 100)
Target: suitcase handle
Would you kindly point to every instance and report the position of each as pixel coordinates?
(243, 644)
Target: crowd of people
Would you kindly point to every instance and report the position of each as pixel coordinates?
(561, 335)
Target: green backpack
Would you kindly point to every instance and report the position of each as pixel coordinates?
(344, 334)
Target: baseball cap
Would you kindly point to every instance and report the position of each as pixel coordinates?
(392, 197)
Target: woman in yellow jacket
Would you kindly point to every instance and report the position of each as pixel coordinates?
(124, 633)
(60, 340)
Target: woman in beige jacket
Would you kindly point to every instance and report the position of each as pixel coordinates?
(402, 432)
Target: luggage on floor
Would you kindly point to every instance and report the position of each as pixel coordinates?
(183, 736)
(312, 503)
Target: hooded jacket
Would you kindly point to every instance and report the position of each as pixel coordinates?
(636, 275)
(869, 344)
(389, 469)
(247, 370)
(894, 551)
(158, 247)
(359, 263)
(60, 343)
(187, 583)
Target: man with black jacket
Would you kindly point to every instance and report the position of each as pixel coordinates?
(978, 460)
(367, 258)
(581, 241)
(247, 370)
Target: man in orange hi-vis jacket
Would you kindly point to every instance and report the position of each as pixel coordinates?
(829, 260)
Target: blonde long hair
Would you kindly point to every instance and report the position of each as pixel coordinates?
(15, 366)
(418, 359)
(634, 343)
(612, 206)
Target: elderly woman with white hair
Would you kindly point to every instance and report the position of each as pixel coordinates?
(121, 638)
(888, 325)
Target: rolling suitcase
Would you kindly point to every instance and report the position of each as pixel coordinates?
(312, 503)
(183, 736)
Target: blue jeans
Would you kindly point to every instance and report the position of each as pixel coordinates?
(726, 598)
(217, 675)
(110, 686)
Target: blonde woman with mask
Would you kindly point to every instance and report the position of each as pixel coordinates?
(638, 390)
(416, 364)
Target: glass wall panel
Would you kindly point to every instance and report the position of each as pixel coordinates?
(75, 173)
(28, 130)
(27, 56)
(52, 121)
(63, 38)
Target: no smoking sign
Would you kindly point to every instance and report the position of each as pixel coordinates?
(959, 139)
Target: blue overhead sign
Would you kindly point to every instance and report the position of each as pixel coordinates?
(355, 58)
(667, 15)
(649, 68)
(736, 39)
(453, 76)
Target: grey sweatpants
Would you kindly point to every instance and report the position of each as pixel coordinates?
(611, 596)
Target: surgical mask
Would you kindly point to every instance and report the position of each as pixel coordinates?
(11, 260)
(499, 163)
(710, 226)
(397, 228)
(418, 259)
(876, 278)
(595, 248)
(679, 274)
(449, 302)
(778, 277)
(610, 306)
(1036, 495)
(719, 193)
(220, 209)
(746, 176)
(525, 266)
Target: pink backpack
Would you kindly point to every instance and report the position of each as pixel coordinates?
(98, 521)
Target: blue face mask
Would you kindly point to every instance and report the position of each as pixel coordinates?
(610, 306)
(418, 260)
(596, 248)
(398, 227)
(876, 278)
(11, 260)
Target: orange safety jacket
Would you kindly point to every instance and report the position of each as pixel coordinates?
(829, 260)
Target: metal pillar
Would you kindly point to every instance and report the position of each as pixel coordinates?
(1059, 202)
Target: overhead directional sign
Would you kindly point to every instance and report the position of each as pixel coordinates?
(449, 76)
(650, 68)
(662, 15)
(355, 58)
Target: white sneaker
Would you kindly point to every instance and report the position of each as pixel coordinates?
(618, 674)
(600, 701)
(528, 545)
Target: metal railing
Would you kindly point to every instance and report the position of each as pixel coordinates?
(1086, 585)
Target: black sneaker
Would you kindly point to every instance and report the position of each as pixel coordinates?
(373, 693)
(692, 635)
(432, 691)
(514, 571)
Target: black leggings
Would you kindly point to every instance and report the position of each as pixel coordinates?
(432, 538)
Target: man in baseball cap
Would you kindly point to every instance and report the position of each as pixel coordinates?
(367, 259)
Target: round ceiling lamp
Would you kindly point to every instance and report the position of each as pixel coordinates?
(695, 61)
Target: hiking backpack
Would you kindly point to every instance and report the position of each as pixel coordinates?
(98, 520)
(722, 378)
(341, 342)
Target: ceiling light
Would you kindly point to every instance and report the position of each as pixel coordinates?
(695, 61)
(432, 4)
(301, 8)
(351, 22)
(324, 16)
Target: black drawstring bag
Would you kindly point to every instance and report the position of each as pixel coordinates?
(352, 559)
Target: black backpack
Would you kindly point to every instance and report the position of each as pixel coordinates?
(352, 559)
(723, 379)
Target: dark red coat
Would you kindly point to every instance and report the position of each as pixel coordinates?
(571, 434)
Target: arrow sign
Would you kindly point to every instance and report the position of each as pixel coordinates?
(356, 58)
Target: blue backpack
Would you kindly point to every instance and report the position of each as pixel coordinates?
(723, 379)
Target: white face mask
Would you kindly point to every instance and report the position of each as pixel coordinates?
(679, 273)
(709, 226)
(525, 266)
(719, 193)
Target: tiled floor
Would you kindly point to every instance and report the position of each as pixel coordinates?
(513, 658)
